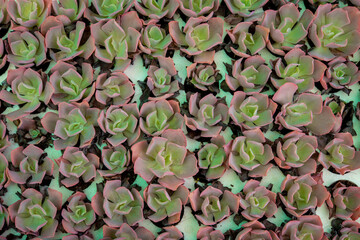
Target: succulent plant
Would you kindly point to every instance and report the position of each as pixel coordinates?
(30, 164)
(29, 88)
(256, 230)
(206, 115)
(3, 53)
(126, 232)
(157, 9)
(165, 158)
(249, 43)
(288, 27)
(4, 216)
(165, 203)
(70, 84)
(300, 69)
(171, 232)
(296, 151)
(250, 74)
(35, 214)
(74, 122)
(346, 202)
(105, 9)
(197, 8)
(154, 40)
(116, 160)
(252, 110)
(244, 8)
(28, 13)
(209, 233)
(300, 194)
(213, 204)
(335, 32)
(117, 88)
(202, 76)
(73, 9)
(86, 236)
(119, 204)
(157, 116)
(3, 176)
(33, 133)
(338, 107)
(349, 230)
(4, 142)
(303, 227)
(4, 15)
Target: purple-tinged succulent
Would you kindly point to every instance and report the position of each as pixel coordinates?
(70, 84)
(198, 8)
(337, 106)
(4, 142)
(126, 232)
(121, 123)
(157, 116)
(26, 49)
(157, 9)
(250, 152)
(86, 236)
(172, 233)
(304, 227)
(300, 194)
(105, 9)
(165, 203)
(117, 88)
(165, 158)
(73, 9)
(249, 42)
(300, 69)
(65, 45)
(202, 76)
(296, 151)
(256, 230)
(244, 8)
(32, 133)
(213, 158)
(29, 89)
(74, 122)
(116, 160)
(3, 173)
(306, 110)
(257, 201)
(154, 40)
(288, 27)
(209, 233)
(250, 74)
(206, 115)
(28, 13)
(213, 204)
(4, 15)
(3, 53)
(335, 32)
(251, 111)
(340, 154)
(4, 216)
(35, 214)
(346, 202)
(74, 164)
(31, 164)
(119, 204)
(160, 79)
(78, 215)
(349, 230)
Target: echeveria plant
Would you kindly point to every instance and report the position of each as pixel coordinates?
(104, 9)
(116, 160)
(157, 9)
(349, 229)
(154, 40)
(244, 8)
(29, 13)
(4, 15)
(171, 232)
(256, 230)
(126, 232)
(197, 8)
(309, 227)
(202, 76)
(346, 202)
(73, 10)
(209, 233)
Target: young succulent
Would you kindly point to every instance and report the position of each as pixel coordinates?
(119, 204)
(250, 74)
(70, 84)
(300, 194)
(105, 9)
(74, 164)
(157, 9)
(73, 9)
(165, 158)
(202, 76)
(4, 164)
(31, 164)
(349, 230)
(73, 123)
(115, 160)
(29, 88)
(154, 40)
(244, 8)
(172, 233)
(256, 230)
(346, 202)
(206, 115)
(209, 233)
(32, 133)
(4, 139)
(309, 227)
(213, 204)
(79, 215)
(126, 232)
(198, 8)
(164, 203)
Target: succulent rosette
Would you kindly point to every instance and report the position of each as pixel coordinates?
(335, 32)
(74, 164)
(209, 233)
(300, 194)
(3, 173)
(160, 79)
(164, 203)
(346, 202)
(26, 49)
(296, 151)
(126, 232)
(213, 204)
(116, 160)
(197, 8)
(79, 215)
(71, 85)
(29, 88)
(202, 76)
(4, 142)
(288, 27)
(300, 69)
(73, 10)
(157, 116)
(256, 230)
(117, 88)
(257, 201)
(104, 9)
(252, 110)
(172, 233)
(29, 13)
(165, 158)
(305, 226)
(157, 9)
(349, 230)
(250, 74)
(74, 122)
(35, 213)
(119, 204)
(248, 42)
(154, 40)
(206, 115)
(244, 8)
(31, 165)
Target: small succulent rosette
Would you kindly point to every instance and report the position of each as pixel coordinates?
(204, 76)
(255, 230)
(170, 232)
(157, 9)
(73, 9)
(207, 232)
(103, 9)
(115, 161)
(310, 226)
(349, 229)
(244, 8)
(198, 8)
(345, 202)
(154, 40)
(126, 232)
